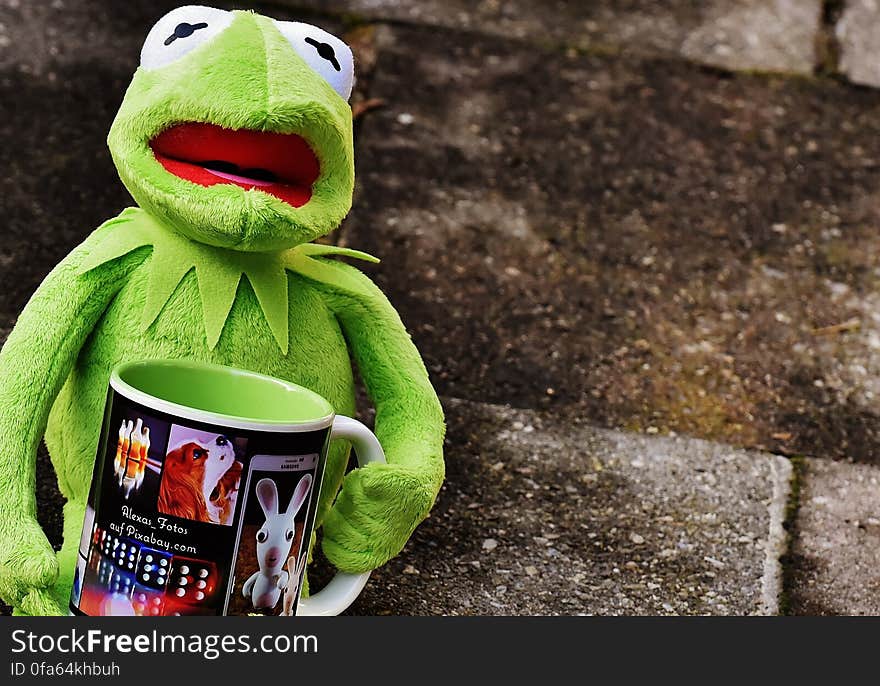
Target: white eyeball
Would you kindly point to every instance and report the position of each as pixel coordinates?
(324, 52)
(181, 31)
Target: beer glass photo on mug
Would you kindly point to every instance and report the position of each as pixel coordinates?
(137, 465)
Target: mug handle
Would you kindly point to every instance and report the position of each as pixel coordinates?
(344, 588)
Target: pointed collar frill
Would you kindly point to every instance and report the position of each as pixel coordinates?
(218, 271)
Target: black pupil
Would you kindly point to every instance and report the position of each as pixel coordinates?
(184, 30)
(325, 50)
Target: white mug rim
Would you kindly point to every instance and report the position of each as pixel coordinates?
(180, 411)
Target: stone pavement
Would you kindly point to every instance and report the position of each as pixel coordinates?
(773, 35)
(579, 219)
(542, 517)
(857, 33)
(836, 552)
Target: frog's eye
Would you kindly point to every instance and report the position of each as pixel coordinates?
(181, 31)
(323, 52)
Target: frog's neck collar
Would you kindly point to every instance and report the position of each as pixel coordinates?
(218, 271)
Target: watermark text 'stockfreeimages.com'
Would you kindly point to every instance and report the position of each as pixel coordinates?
(208, 646)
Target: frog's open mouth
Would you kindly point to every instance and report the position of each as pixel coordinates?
(280, 164)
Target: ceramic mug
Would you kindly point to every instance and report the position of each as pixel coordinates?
(204, 494)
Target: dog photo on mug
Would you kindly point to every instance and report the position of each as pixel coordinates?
(200, 476)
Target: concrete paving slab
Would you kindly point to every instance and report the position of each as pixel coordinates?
(835, 560)
(540, 516)
(858, 34)
(772, 35)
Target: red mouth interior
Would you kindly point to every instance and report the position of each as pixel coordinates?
(280, 164)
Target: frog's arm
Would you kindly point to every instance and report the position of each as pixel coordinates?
(34, 364)
(379, 505)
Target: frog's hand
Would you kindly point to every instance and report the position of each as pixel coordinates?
(380, 505)
(34, 363)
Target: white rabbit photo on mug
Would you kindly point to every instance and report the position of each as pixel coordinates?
(270, 534)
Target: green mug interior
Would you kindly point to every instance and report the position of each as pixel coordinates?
(220, 393)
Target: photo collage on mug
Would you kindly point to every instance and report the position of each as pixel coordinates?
(158, 471)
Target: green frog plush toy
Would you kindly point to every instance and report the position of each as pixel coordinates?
(235, 140)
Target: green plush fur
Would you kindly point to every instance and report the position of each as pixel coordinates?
(95, 310)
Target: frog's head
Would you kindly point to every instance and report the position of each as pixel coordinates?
(236, 129)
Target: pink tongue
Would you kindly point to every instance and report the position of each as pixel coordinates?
(239, 179)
